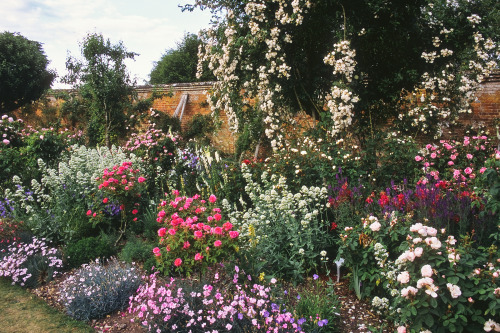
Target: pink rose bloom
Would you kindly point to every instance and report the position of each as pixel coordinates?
(218, 230)
(431, 231)
(227, 226)
(198, 234)
(450, 163)
(105, 200)
(198, 256)
(5, 141)
(124, 181)
(186, 245)
(401, 329)
(94, 215)
(217, 217)
(105, 183)
(217, 243)
(433, 155)
(212, 199)
(89, 212)
(234, 234)
(178, 262)
(482, 170)
(453, 157)
(171, 231)
(375, 226)
(157, 251)
(426, 271)
(210, 218)
(468, 170)
(469, 156)
(418, 252)
(418, 158)
(162, 232)
(454, 290)
(403, 277)
(141, 179)
(135, 211)
(161, 213)
(456, 174)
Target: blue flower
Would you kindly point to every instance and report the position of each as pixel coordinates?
(301, 321)
(298, 296)
(315, 276)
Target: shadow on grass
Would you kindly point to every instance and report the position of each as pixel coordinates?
(21, 311)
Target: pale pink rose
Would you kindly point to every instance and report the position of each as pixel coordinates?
(431, 231)
(450, 163)
(454, 290)
(453, 157)
(418, 252)
(403, 277)
(469, 156)
(416, 227)
(418, 158)
(417, 240)
(433, 155)
(375, 226)
(401, 329)
(426, 271)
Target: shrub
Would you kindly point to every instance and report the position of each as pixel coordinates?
(30, 264)
(87, 249)
(95, 290)
(136, 250)
(285, 230)
(55, 207)
(193, 235)
(423, 277)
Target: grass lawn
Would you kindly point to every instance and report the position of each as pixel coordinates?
(21, 311)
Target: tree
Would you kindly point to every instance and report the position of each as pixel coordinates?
(24, 76)
(416, 62)
(103, 83)
(180, 64)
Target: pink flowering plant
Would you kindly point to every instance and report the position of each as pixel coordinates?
(193, 234)
(121, 185)
(220, 302)
(456, 161)
(157, 150)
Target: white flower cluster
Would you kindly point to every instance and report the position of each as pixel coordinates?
(341, 99)
(224, 59)
(273, 202)
(442, 96)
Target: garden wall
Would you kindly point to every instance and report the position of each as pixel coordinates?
(486, 109)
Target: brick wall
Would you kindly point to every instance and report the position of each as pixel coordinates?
(486, 109)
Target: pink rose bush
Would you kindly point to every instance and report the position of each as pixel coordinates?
(193, 234)
(120, 186)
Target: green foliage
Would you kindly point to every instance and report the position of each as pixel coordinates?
(200, 128)
(287, 230)
(88, 249)
(24, 76)
(136, 250)
(179, 65)
(104, 85)
(391, 158)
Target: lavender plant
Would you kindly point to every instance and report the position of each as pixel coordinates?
(97, 289)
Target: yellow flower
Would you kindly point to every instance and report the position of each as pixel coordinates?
(261, 276)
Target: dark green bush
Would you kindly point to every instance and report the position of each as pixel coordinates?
(136, 250)
(88, 249)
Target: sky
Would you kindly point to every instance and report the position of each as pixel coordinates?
(147, 27)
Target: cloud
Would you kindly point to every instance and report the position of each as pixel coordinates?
(147, 28)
